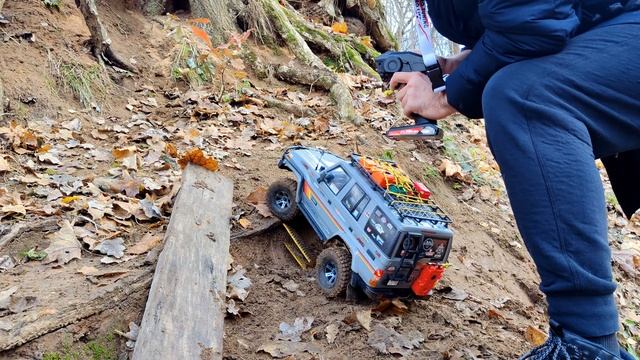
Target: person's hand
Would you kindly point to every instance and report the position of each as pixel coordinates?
(450, 64)
(417, 96)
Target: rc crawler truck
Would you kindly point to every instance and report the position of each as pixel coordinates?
(379, 229)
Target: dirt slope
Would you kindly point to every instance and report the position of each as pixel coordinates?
(483, 308)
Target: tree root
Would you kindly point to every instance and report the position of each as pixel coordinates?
(100, 41)
(297, 110)
(324, 79)
(337, 45)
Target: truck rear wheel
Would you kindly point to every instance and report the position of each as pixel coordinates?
(333, 271)
(281, 199)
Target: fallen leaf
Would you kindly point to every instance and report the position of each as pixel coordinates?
(171, 150)
(259, 195)
(197, 157)
(64, 245)
(288, 349)
(535, 336)
(148, 242)
(237, 285)
(114, 247)
(388, 341)
(127, 156)
(295, 331)
(339, 27)
(244, 223)
(364, 318)
(331, 332)
(4, 165)
(494, 314)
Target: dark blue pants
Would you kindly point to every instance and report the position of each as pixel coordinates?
(547, 120)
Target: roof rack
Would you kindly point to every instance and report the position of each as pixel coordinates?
(406, 206)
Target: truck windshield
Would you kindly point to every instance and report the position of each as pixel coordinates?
(381, 231)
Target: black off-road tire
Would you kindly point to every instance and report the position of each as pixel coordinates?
(340, 259)
(277, 192)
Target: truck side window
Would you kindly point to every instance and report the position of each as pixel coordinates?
(336, 179)
(355, 201)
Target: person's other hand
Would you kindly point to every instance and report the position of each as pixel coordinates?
(417, 97)
(450, 64)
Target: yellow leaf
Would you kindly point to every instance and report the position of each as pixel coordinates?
(535, 336)
(44, 149)
(70, 199)
(366, 41)
(244, 223)
(339, 27)
(371, 3)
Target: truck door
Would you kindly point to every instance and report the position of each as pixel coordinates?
(332, 185)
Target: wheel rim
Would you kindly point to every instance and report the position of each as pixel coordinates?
(282, 200)
(330, 273)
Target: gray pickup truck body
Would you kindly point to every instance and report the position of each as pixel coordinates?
(340, 201)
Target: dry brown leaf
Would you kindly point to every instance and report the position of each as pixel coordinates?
(4, 164)
(244, 223)
(64, 245)
(88, 271)
(127, 156)
(171, 150)
(196, 156)
(364, 318)
(535, 336)
(263, 209)
(148, 242)
(494, 314)
(259, 195)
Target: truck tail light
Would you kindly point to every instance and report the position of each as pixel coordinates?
(378, 273)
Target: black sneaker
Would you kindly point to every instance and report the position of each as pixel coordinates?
(565, 345)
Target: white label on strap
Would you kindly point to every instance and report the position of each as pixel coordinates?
(424, 33)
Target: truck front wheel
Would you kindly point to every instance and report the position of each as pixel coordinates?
(281, 199)
(333, 271)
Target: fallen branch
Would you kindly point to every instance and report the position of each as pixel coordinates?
(297, 110)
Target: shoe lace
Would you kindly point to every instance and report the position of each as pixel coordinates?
(552, 349)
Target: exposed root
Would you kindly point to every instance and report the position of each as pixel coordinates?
(292, 38)
(297, 110)
(326, 80)
(100, 41)
(337, 45)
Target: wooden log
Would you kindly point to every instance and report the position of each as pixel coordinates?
(184, 315)
(33, 324)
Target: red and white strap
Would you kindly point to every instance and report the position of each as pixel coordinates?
(424, 33)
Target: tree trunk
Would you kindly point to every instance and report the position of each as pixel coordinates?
(221, 13)
(371, 12)
(100, 42)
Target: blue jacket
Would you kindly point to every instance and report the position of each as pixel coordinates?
(502, 32)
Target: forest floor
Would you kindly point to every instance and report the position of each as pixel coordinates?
(104, 172)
